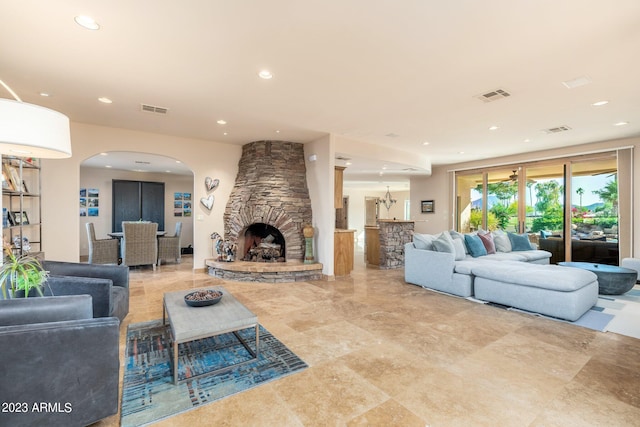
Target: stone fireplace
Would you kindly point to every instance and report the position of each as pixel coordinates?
(269, 204)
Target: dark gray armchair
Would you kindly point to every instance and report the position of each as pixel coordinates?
(55, 353)
(108, 285)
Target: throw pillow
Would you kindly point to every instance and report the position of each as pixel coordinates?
(475, 246)
(487, 241)
(461, 249)
(459, 236)
(501, 240)
(423, 241)
(444, 244)
(519, 242)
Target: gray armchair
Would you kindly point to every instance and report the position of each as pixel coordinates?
(101, 251)
(139, 243)
(108, 285)
(169, 246)
(55, 352)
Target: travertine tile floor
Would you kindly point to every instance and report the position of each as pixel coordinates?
(385, 353)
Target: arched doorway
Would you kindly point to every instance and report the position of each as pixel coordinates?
(98, 172)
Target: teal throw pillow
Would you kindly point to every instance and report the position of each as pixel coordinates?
(519, 242)
(475, 246)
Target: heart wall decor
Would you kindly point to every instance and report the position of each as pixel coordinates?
(211, 184)
(207, 201)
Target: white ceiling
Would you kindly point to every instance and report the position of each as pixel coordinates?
(393, 74)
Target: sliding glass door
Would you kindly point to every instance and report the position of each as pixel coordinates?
(568, 207)
(594, 212)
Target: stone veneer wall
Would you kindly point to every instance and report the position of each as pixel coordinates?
(271, 188)
(393, 236)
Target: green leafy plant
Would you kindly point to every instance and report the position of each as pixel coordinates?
(21, 273)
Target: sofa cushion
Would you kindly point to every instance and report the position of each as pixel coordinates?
(444, 243)
(519, 242)
(487, 241)
(475, 246)
(461, 249)
(501, 240)
(423, 241)
(459, 236)
(555, 277)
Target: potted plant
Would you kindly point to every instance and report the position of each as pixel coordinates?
(21, 275)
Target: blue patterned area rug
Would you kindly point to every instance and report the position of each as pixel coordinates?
(149, 394)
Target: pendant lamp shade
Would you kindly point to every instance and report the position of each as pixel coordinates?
(29, 130)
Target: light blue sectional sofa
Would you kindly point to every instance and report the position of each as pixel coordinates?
(514, 273)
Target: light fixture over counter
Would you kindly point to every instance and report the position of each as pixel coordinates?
(388, 201)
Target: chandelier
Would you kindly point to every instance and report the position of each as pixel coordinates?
(388, 201)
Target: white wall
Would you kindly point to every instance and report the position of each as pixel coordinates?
(320, 179)
(101, 179)
(61, 183)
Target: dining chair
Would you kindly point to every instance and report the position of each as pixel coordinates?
(101, 251)
(139, 244)
(169, 246)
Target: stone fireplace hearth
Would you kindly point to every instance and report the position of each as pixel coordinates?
(267, 210)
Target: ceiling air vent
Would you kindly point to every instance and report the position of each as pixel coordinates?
(493, 95)
(153, 109)
(557, 129)
(340, 157)
(140, 162)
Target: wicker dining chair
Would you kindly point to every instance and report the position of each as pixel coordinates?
(169, 246)
(139, 243)
(101, 251)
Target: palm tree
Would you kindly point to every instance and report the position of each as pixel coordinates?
(609, 194)
(580, 192)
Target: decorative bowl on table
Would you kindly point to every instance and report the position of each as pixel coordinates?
(203, 298)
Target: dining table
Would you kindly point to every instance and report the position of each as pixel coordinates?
(120, 234)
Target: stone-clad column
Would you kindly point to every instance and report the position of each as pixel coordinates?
(393, 236)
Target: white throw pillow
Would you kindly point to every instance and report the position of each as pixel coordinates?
(501, 240)
(424, 241)
(461, 249)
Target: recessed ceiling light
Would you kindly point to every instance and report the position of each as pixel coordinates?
(178, 161)
(221, 122)
(600, 103)
(265, 74)
(108, 166)
(527, 140)
(105, 100)
(45, 94)
(494, 127)
(277, 131)
(621, 123)
(168, 171)
(87, 22)
(225, 133)
(425, 143)
(460, 152)
(104, 154)
(348, 163)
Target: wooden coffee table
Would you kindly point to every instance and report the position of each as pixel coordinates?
(192, 323)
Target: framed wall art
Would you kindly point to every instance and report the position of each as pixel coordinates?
(427, 206)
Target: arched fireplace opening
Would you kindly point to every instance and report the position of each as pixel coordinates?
(263, 243)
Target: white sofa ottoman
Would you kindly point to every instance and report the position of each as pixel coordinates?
(552, 290)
